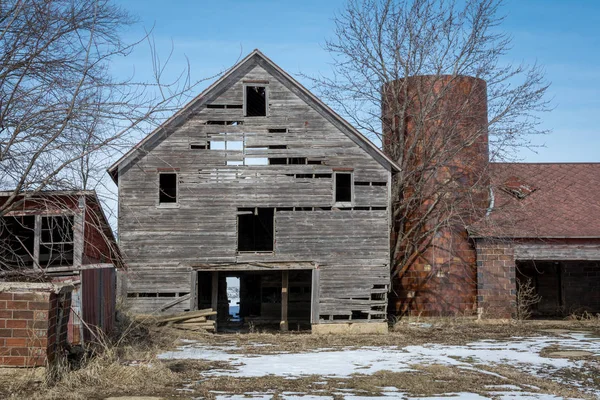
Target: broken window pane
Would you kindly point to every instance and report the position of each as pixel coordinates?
(256, 101)
(255, 229)
(168, 188)
(343, 187)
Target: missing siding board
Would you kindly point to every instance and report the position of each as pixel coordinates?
(255, 229)
(362, 183)
(226, 106)
(277, 161)
(297, 160)
(278, 147)
(200, 146)
(256, 101)
(278, 130)
(379, 183)
(220, 122)
(167, 188)
(315, 162)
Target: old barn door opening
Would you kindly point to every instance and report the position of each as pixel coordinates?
(269, 298)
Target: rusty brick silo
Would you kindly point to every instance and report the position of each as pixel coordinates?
(437, 126)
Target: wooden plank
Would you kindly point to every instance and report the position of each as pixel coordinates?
(215, 292)
(315, 296)
(187, 315)
(283, 325)
(37, 234)
(176, 301)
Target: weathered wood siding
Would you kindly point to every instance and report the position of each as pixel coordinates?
(350, 245)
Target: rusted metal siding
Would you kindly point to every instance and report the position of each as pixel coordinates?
(98, 291)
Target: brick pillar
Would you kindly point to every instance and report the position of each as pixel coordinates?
(33, 322)
(496, 279)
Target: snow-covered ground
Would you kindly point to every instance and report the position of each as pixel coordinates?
(520, 353)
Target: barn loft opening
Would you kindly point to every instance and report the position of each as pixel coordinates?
(256, 101)
(167, 188)
(255, 229)
(343, 187)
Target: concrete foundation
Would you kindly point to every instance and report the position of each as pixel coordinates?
(351, 328)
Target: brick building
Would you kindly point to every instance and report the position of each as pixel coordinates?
(544, 226)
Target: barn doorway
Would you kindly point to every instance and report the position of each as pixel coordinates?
(254, 300)
(565, 287)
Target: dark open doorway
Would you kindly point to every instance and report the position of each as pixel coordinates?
(264, 300)
(565, 287)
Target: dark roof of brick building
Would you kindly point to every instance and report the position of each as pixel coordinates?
(559, 200)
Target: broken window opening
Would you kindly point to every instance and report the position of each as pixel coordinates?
(167, 188)
(256, 101)
(255, 229)
(17, 237)
(343, 187)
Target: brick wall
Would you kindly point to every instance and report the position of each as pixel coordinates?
(33, 322)
(496, 278)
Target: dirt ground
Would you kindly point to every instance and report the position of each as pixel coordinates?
(417, 359)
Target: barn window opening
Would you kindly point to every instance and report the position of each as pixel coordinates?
(167, 188)
(255, 229)
(56, 241)
(343, 187)
(256, 101)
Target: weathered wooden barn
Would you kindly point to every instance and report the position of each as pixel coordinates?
(259, 180)
(256, 179)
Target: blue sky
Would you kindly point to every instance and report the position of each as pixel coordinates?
(563, 36)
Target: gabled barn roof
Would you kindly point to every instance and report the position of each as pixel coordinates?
(544, 200)
(225, 82)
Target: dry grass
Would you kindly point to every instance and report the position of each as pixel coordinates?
(428, 380)
(109, 370)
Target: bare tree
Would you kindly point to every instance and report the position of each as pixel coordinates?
(409, 58)
(63, 113)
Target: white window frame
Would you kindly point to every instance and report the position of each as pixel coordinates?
(343, 203)
(173, 204)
